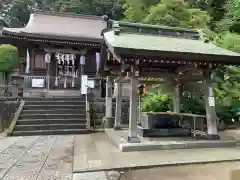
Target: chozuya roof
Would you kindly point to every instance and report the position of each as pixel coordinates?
(136, 38)
(60, 26)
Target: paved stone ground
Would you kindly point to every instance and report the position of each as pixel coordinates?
(56, 157)
(40, 158)
(98, 153)
(220, 171)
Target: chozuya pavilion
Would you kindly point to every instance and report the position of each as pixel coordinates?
(136, 52)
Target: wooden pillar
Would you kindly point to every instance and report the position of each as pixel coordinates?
(108, 119)
(176, 98)
(210, 107)
(118, 110)
(133, 109)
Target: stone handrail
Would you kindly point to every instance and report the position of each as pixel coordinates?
(16, 117)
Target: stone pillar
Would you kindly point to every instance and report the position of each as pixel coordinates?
(108, 119)
(133, 110)
(176, 98)
(210, 108)
(118, 110)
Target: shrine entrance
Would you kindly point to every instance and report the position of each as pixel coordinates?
(65, 71)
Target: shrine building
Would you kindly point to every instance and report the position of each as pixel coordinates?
(61, 46)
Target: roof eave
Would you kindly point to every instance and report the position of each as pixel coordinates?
(32, 35)
(72, 15)
(186, 56)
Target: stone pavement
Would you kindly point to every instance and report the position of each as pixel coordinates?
(36, 158)
(97, 153)
(219, 171)
(40, 158)
(57, 157)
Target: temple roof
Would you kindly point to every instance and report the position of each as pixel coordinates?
(60, 26)
(166, 44)
(136, 38)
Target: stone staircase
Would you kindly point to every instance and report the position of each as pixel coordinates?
(51, 116)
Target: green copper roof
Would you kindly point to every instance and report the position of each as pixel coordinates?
(163, 44)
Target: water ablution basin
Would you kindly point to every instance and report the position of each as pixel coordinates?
(162, 124)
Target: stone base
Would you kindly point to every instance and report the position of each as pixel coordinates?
(108, 122)
(206, 137)
(133, 140)
(212, 137)
(117, 128)
(174, 132)
(120, 139)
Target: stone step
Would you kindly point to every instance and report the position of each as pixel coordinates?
(55, 102)
(54, 111)
(49, 121)
(53, 116)
(49, 132)
(55, 98)
(37, 127)
(57, 106)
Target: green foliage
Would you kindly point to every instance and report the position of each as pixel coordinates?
(9, 58)
(136, 10)
(167, 12)
(230, 41)
(227, 79)
(16, 12)
(231, 20)
(227, 94)
(192, 98)
(112, 8)
(156, 103)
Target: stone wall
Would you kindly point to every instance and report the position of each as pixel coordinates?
(99, 110)
(8, 107)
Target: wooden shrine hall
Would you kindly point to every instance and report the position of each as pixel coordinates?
(134, 52)
(71, 44)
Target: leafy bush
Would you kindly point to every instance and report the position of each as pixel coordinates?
(156, 103)
(9, 58)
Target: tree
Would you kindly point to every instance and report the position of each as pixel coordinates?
(9, 60)
(112, 8)
(177, 13)
(230, 41)
(136, 10)
(16, 12)
(231, 20)
(167, 12)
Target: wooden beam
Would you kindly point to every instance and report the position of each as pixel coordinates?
(186, 68)
(111, 49)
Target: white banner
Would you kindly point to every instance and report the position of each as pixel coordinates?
(47, 58)
(97, 61)
(27, 62)
(38, 83)
(84, 81)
